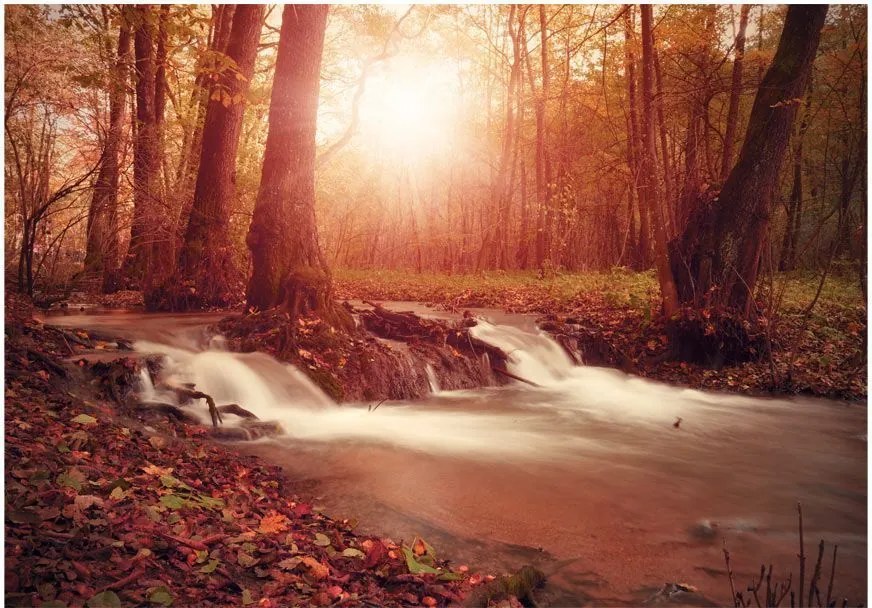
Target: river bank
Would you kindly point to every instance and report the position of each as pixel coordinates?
(819, 352)
(585, 475)
(106, 509)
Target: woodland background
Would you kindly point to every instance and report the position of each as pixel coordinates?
(450, 138)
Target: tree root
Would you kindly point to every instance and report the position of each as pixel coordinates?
(184, 393)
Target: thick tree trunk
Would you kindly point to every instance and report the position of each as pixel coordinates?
(288, 268)
(101, 255)
(715, 261)
(205, 258)
(735, 94)
(648, 194)
(146, 163)
(186, 174)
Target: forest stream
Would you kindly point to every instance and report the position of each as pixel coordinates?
(584, 475)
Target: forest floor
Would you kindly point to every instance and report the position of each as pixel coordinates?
(821, 353)
(105, 508)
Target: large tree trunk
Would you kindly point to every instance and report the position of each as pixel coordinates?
(288, 268)
(146, 165)
(648, 195)
(101, 255)
(149, 259)
(186, 173)
(735, 94)
(205, 258)
(715, 261)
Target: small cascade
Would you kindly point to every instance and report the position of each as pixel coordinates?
(146, 386)
(532, 356)
(432, 379)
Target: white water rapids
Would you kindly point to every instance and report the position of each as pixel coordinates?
(587, 466)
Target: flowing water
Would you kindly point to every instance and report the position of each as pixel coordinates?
(584, 475)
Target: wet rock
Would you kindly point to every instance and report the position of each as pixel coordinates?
(678, 594)
(705, 530)
(247, 431)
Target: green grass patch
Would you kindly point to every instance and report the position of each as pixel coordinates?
(524, 290)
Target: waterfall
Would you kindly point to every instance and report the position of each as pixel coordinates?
(532, 356)
(432, 380)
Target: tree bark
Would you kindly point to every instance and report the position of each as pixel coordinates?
(735, 94)
(642, 246)
(715, 261)
(101, 255)
(146, 162)
(648, 194)
(186, 174)
(288, 268)
(205, 258)
(543, 163)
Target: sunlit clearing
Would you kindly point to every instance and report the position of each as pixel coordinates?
(409, 109)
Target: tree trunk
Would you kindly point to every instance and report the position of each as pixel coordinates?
(735, 94)
(715, 261)
(669, 201)
(642, 257)
(288, 268)
(543, 163)
(186, 174)
(205, 258)
(493, 252)
(101, 255)
(649, 201)
(146, 162)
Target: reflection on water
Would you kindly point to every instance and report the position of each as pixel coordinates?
(588, 467)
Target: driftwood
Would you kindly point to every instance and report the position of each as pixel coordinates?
(405, 326)
(169, 410)
(70, 336)
(233, 408)
(185, 393)
(35, 355)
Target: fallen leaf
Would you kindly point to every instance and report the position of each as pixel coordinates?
(318, 570)
(104, 599)
(273, 523)
(160, 596)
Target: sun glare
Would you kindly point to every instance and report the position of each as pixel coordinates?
(409, 109)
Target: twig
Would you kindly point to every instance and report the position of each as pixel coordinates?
(372, 409)
(123, 582)
(755, 588)
(817, 573)
(730, 574)
(801, 557)
(38, 356)
(832, 576)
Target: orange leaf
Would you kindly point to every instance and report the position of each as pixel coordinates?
(273, 523)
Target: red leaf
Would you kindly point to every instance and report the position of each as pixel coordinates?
(375, 555)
